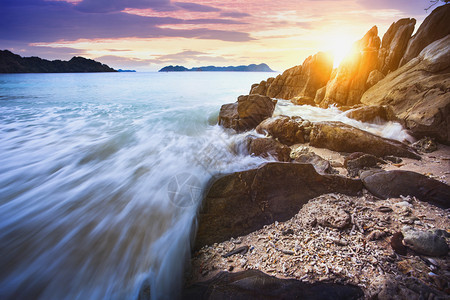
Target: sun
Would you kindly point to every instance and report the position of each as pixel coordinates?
(339, 45)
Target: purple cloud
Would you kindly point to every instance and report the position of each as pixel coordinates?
(196, 7)
(234, 14)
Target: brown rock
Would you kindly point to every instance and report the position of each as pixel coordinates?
(434, 27)
(338, 136)
(372, 113)
(287, 130)
(348, 82)
(242, 202)
(246, 113)
(374, 77)
(394, 44)
(397, 245)
(419, 92)
(391, 184)
(254, 284)
(299, 81)
(266, 147)
(321, 165)
(325, 214)
(361, 163)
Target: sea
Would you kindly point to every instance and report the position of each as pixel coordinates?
(102, 176)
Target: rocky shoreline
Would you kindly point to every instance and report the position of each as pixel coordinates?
(359, 215)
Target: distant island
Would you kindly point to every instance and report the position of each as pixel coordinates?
(13, 63)
(120, 70)
(249, 68)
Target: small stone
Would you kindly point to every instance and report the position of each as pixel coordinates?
(287, 232)
(425, 242)
(397, 245)
(384, 209)
(376, 235)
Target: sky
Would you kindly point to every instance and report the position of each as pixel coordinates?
(146, 35)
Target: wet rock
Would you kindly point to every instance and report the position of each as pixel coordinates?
(434, 27)
(321, 165)
(394, 43)
(299, 81)
(393, 184)
(246, 113)
(418, 92)
(338, 136)
(372, 113)
(363, 162)
(242, 202)
(287, 130)
(424, 242)
(268, 147)
(348, 81)
(425, 145)
(303, 101)
(397, 244)
(253, 284)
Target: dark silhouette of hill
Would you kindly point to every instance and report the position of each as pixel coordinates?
(13, 63)
(249, 68)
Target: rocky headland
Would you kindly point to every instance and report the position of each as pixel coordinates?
(338, 212)
(250, 68)
(13, 63)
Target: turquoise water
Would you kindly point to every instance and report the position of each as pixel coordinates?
(101, 176)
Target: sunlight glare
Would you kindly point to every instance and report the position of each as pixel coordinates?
(339, 45)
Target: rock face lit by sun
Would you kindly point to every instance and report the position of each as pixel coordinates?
(340, 46)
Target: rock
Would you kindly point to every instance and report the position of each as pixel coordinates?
(425, 145)
(394, 43)
(246, 113)
(321, 165)
(418, 92)
(261, 88)
(303, 101)
(325, 214)
(267, 147)
(287, 130)
(397, 245)
(254, 284)
(338, 136)
(362, 163)
(242, 202)
(424, 242)
(376, 235)
(372, 113)
(299, 81)
(348, 82)
(374, 77)
(434, 27)
(392, 184)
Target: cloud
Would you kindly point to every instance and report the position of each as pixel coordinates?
(50, 21)
(234, 14)
(404, 6)
(196, 7)
(119, 62)
(104, 6)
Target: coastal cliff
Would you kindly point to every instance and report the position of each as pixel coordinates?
(362, 215)
(13, 63)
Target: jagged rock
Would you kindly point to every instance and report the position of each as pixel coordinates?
(361, 163)
(374, 77)
(341, 137)
(424, 242)
(419, 92)
(391, 184)
(254, 284)
(287, 130)
(242, 202)
(394, 43)
(303, 101)
(348, 82)
(321, 165)
(266, 147)
(434, 27)
(372, 113)
(298, 81)
(246, 113)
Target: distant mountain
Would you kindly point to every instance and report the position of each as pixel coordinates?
(120, 70)
(13, 63)
(249, 68)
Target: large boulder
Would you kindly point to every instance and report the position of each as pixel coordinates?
(434, 27)
(394, 43)
(268, 147)
(254, 284)
(392, 184)
(287, 130)
(419, 92)
(348, 82)
(299, 81)
(372, 113)
(341, 137)
(243, 202)
(246, 113)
